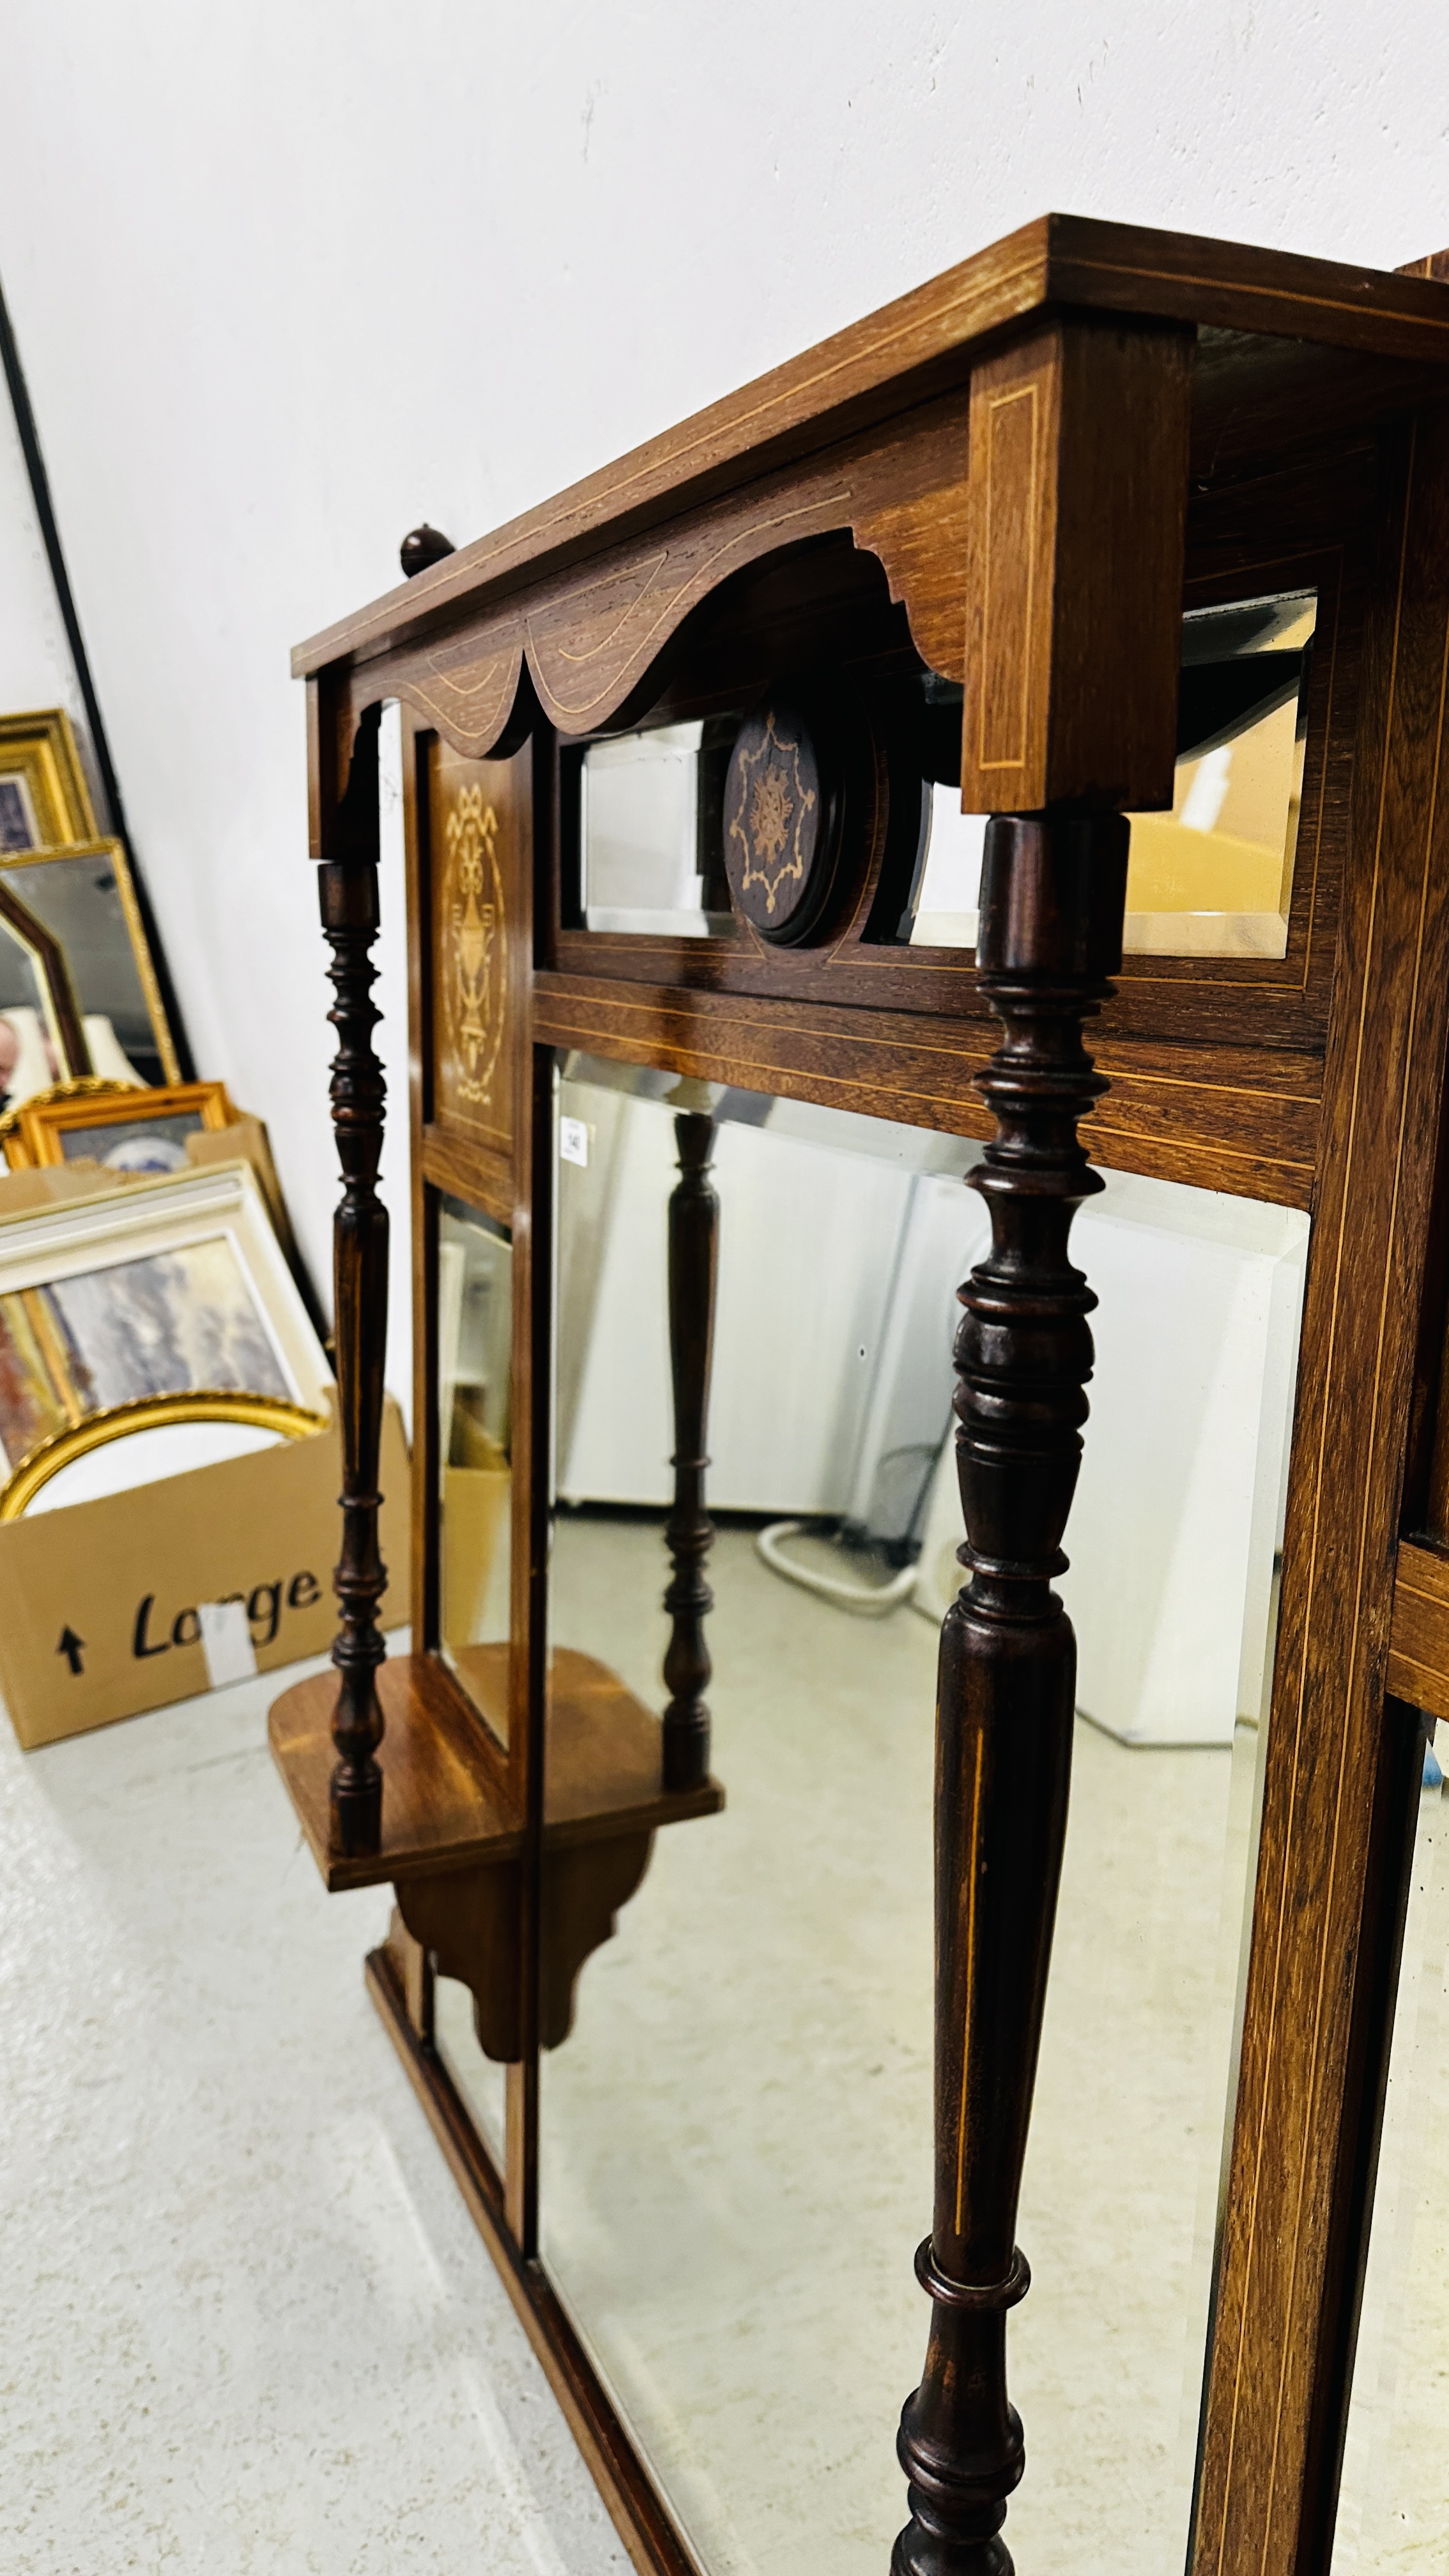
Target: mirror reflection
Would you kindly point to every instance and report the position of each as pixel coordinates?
(1214, 877)
(84, 900)
(736, 2119)
(651, 848)
(475, 1407)
(1391, 2500)
(482, 2082)
(37, 1035)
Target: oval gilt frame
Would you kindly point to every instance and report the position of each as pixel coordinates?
(148, 1413)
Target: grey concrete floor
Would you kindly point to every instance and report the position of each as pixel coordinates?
(246, 2326)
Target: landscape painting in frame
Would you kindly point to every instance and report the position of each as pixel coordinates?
(168, 1323)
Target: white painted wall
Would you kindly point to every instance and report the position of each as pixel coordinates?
(288, 278)
(36, 669)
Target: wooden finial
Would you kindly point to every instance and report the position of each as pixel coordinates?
(421, 547)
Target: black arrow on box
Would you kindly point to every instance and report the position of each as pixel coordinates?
(70, 1646)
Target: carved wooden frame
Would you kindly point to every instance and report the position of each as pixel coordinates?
(1017, 445)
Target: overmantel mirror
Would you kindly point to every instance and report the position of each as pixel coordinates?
(1000, 748)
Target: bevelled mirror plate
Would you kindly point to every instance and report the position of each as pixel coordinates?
(1214, 877)
(651, 855)
(475, 1413)
(1391, 2500)
(735, 2131)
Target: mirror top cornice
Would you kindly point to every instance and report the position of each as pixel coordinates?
(919, 345)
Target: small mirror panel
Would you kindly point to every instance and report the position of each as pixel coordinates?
(650, 833)
(475, 1408)
(1214, 878)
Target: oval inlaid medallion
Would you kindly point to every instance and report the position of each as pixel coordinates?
(780, 838)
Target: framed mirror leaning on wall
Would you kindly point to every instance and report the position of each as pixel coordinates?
(996, 749)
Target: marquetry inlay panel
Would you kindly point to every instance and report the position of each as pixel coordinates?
(479, 818)
(466, 690)
(1070, 565)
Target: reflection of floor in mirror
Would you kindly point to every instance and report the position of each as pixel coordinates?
(249, 2326)
(1395, 2481)
(737, 2136)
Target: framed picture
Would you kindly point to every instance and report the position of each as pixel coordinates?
(44, 800)
(167, 1287)
(86, 898)
(115, 1125)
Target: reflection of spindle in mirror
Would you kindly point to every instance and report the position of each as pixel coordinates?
(689, 1531)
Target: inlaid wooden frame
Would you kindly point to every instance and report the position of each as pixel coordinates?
(1213, 1061)
(465, 1157)
(1320, 430)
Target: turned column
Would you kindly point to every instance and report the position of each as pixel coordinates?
(347, 890)
(1073, 583)
(1050, 934)
(689, 1531)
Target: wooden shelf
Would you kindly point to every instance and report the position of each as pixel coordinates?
(442, 1807)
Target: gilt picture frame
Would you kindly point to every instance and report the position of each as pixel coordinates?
(45, 802)
(272, 1415)
(123, 1129)
(166, 1287)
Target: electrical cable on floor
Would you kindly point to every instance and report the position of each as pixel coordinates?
(870, 1597)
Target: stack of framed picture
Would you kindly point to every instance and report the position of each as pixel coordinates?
(79, 991)
(168, 1448)
(169, 1453)
(129, 1307)
(135, 1148)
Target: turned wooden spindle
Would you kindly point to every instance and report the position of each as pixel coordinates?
(347, 890)
(1050, 934)
(689, 1531)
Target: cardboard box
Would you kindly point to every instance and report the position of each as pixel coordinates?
(101, 1602)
